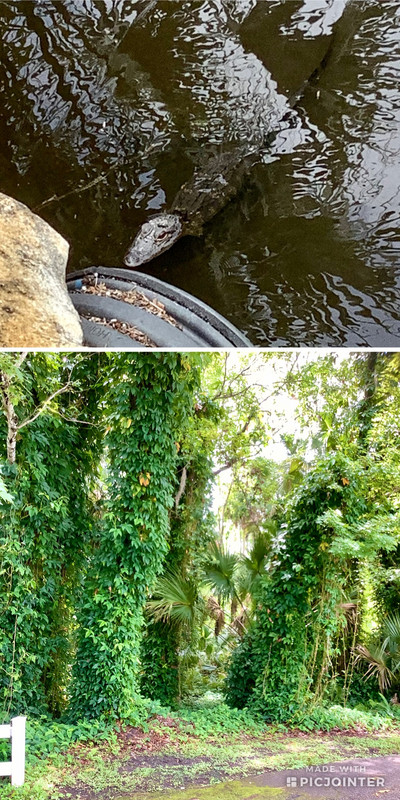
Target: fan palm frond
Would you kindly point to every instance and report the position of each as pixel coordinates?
(175, 598)
(391, 630)
(220, 572)
(378, 661)
(257, 558)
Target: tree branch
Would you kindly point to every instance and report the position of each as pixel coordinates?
(21, 358)
(13, 425)
(234, 461)
(44, 405)
(182, 487)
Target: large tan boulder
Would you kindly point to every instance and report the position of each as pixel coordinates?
(35, 309)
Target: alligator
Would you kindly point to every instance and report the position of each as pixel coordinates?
(215, 182)
(213, 185)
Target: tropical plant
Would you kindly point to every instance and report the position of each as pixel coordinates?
(255, 563)
(176, 599)
(220, 574)
(107, 465)
(383, 656)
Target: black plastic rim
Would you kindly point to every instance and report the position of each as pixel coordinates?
(199, 326)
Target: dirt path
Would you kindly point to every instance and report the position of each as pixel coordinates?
(170, 763)
(357, 779)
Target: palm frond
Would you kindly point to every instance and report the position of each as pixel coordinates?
(391, 630)
(378, 664)
(220, 571)
(257, 558)
(239, 624)
(175, 598)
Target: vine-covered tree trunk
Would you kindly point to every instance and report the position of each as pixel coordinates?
(45, 528)
(149, 399)
(282, 663)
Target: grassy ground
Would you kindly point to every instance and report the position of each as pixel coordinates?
(206, 748)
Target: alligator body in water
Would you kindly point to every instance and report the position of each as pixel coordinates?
(219, 177)
(213, 185)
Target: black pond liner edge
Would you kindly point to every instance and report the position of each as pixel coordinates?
(200, 325)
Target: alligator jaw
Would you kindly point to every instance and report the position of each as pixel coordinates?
(155, 237)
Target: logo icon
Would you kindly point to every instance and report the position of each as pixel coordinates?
(291, 781)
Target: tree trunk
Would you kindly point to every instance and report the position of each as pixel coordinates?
(12, 419)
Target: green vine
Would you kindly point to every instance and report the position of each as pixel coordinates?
(286, 657)
(150, 398)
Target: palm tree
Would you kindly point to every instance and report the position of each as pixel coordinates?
(383, 658)
(183, 604)
(179, 606)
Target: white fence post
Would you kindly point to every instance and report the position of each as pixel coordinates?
(18, 750)
(16, 767)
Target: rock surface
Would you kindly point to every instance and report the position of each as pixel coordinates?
(35, 309)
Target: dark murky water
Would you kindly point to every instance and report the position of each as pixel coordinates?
(124, 99)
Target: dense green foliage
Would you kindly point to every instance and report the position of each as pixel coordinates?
(176, 523)
(45, 529)
(191, 530)
(284, 656)
(70, 547)
(340, 526)
(149, 401)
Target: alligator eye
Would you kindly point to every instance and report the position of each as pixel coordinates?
(163, 235)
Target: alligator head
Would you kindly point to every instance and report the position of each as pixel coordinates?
(155, 237)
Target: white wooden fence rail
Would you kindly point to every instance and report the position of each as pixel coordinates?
(16, 767)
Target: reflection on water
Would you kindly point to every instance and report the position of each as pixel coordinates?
(110, 105)
(315, 18)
